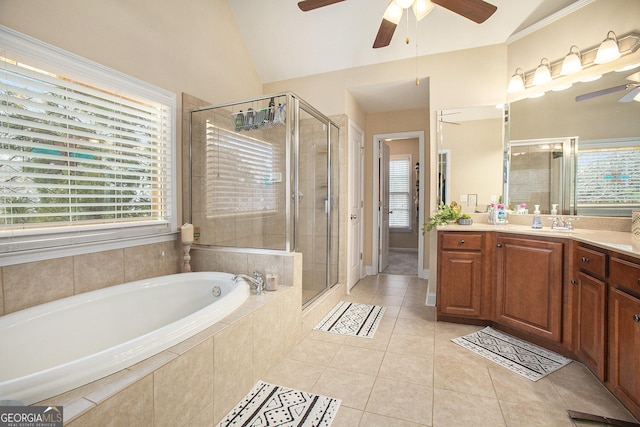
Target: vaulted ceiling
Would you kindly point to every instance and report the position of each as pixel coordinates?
(285, 42)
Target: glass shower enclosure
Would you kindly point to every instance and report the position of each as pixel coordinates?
(262, 177)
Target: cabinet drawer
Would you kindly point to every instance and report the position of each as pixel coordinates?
(625, 273)
(465, 241)
(591, 261)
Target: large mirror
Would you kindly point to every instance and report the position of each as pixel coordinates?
(603, 120)
(470, 153)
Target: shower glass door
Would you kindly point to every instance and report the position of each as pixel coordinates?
(312, 225)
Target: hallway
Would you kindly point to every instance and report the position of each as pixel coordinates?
(411, 374)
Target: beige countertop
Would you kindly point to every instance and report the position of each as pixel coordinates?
(619, 241)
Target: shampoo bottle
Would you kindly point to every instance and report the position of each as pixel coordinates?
(537, 222)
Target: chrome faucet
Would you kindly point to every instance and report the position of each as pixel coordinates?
(559, 223)
(256, 281)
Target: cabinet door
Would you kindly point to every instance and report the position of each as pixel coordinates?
(624, 348)
(529, 286)
(460, 283)
(590, 323)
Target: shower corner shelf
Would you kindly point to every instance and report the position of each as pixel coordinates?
(261, 126)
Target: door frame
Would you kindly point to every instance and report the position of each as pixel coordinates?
(374, 214)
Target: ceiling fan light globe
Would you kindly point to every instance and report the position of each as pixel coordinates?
(393, 13)
(405, 4)
(422, 8)
(608, 50)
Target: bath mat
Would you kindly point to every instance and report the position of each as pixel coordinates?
(524, 358)
(351, 318)
(274, 405)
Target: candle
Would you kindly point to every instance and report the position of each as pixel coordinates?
(186, 232)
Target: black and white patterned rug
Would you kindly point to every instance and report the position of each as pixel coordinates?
(352, 318)
(277, 406)
(524, 358)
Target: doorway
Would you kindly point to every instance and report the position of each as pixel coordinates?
(383, 236)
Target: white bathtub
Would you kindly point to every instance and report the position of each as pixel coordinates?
(58, 346)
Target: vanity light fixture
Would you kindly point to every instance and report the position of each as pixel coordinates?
(516, 84)
(543, 73)
(576, 61)
(572, 62)
(608, 50)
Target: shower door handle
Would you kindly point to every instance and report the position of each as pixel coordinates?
(300, 196)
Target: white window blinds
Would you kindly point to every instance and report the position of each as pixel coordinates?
(400, 192)
(242, 173)
(74, 153)
(608, 177)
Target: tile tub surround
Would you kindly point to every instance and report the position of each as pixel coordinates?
(38, 282)
(198, 380)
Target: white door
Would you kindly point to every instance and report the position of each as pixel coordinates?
(356, 204)
(383, 210)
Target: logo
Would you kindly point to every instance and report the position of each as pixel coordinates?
(31, 416)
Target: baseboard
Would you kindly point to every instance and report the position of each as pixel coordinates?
(431, 299)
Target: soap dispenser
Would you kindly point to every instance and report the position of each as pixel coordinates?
(554, 209)
(537, 222)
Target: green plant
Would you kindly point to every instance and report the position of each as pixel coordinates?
(444, 215)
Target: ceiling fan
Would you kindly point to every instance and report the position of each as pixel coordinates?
(476, 10)
(633, 88)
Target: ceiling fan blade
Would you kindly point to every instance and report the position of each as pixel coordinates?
(307, 5)
(628, 97)
(600, 92)
(635, 77)
(476, 10)
(385, 34)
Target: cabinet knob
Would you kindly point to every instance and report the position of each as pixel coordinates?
(636, 318)
(574, 282)
(462, 242)
(499, 245)
(585, 259)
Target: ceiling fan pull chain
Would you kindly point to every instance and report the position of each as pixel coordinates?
(407, 39)
(417, 77)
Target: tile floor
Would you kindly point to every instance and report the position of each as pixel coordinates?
(411, 374)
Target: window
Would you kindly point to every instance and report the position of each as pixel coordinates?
(608, 177)
(400, 205)
(85, 153)
(241, 173)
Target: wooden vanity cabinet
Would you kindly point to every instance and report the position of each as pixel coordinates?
(590, 309)
(529, 285)
(460, 274)
(624, 332)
